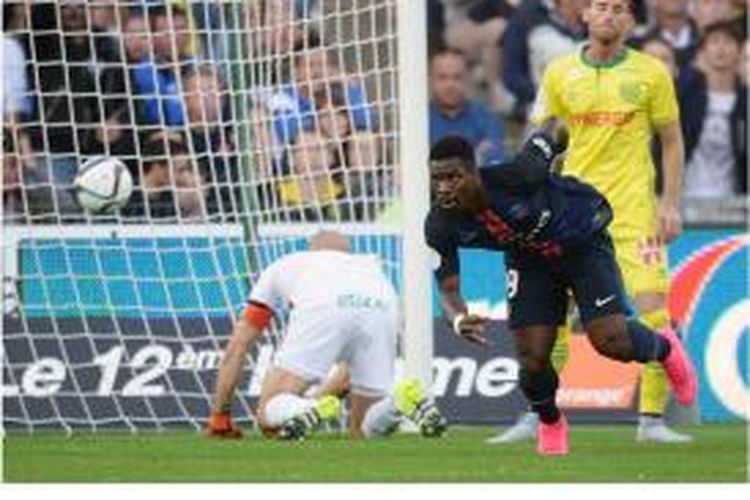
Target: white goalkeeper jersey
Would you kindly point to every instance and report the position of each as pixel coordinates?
(343, 308)
(320, 278)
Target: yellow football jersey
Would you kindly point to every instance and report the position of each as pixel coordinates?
(611, 111)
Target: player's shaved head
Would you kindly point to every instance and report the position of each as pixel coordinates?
(329, 240)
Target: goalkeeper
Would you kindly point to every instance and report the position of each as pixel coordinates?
(343, 309)
(553, 230)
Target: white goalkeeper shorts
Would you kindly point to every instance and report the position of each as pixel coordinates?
(356, 329)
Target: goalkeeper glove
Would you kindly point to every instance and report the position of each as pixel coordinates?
(220, 425)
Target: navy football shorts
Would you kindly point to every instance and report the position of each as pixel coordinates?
(539, 288)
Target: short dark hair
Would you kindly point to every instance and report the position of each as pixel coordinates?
(730, 28)
(633, 5)
(453, 147)
(450, 51)
(653, 38)
(155, 11)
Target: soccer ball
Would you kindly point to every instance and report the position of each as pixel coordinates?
(103, 184)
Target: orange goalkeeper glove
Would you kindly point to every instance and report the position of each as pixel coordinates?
(220, 425)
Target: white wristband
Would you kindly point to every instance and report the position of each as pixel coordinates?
(457, 321)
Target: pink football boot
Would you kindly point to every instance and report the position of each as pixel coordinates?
(680, 370)
(552, 439)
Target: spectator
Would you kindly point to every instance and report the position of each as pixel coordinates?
(26, 194)
(362, 151)
(707, 12)
(332, 120)
(170, 185)
(204, 96)
(189, 189)
(674, 25)
(538, 31)
(714, 117)
(284, 23)
(135, 37)
(278, 28)
(452, 113)
(357, 154)
(103, 15)
(65, 113)
(105, 29)
(354, 148)
(157, 81)
(211, 137)
(292, 108)
(170, 34)
(663, 51)
(124, 110)
(477, 35)
(310, 193)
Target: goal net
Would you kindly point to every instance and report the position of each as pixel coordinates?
(247, 127)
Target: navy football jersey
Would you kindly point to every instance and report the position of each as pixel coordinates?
(527, 216)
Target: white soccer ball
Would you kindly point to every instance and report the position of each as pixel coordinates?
(103, 184)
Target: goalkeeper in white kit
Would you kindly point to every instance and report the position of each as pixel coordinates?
(342, 308)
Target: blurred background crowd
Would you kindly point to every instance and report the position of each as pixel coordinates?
(222, 108)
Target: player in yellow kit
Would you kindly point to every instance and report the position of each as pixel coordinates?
(612, 100)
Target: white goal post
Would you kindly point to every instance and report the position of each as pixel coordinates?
(413, 103)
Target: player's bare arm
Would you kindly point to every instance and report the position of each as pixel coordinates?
(673, 160)
(244, 335)
(468, 326)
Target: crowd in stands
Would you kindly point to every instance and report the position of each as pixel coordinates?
(125, 79)
(150, 81)
(702, 42)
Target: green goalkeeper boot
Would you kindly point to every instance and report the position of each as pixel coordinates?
(410, 399)
(326, 409)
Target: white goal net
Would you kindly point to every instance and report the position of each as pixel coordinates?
(246, 125)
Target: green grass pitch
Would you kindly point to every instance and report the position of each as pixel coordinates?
(599, 454)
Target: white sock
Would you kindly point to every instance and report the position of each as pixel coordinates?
(381, 419)
(284, 407)
(649, 421)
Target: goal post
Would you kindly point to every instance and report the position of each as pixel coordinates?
(247, 126)
(413, 154)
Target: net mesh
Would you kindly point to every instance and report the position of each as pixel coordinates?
(246, 126)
